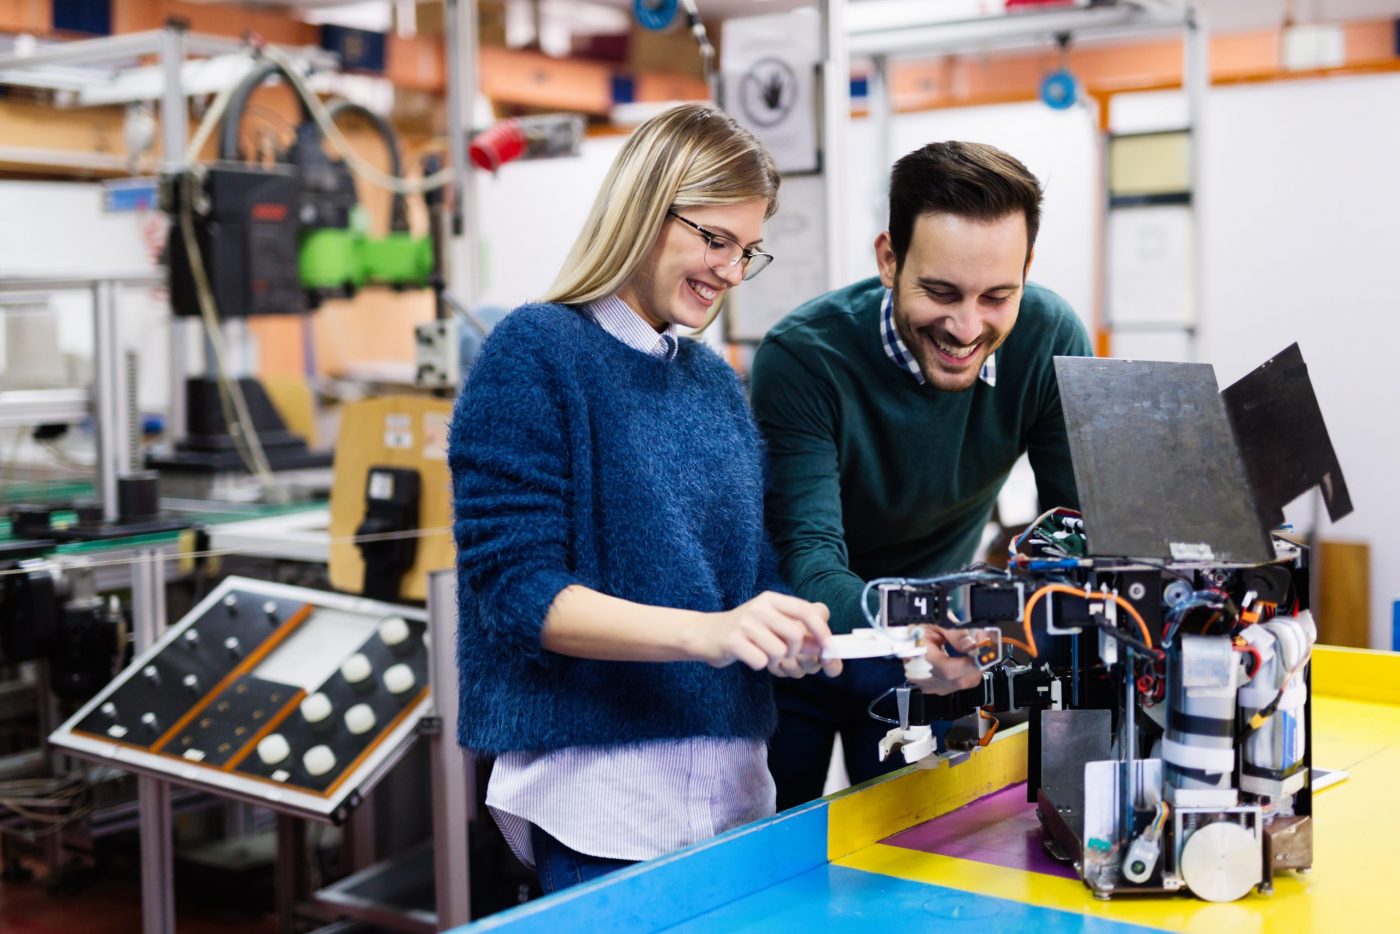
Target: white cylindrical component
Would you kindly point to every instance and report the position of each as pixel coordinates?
(357, 669)
(318, 760)
(1198, 751)
(399, 679)
(394, 632)
(273, 749)
(1221, 862)
(359, 719)
(1274, 752)
(316, 708)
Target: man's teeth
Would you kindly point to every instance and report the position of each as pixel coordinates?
(957, 351)
(704, 291)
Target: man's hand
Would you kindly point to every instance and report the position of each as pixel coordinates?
(937, 672)
(774, 631)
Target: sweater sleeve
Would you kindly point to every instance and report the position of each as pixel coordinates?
(797, 415)
(509, 457)
(1047, 443)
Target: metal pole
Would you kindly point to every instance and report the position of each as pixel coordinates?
(454, 792)
(836, 119)
(1196, 82)
(881, 116)
(153, 795)
(291, 884)
(462, 276)
(175, 135)
(109, 396)
(174, 118)
(1129, 797)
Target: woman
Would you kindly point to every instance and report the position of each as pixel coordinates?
(613, 567)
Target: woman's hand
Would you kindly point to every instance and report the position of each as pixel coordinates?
(774, 631)
(937, 672)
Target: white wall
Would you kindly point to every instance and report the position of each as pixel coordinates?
(530, 214)
(1301, 232)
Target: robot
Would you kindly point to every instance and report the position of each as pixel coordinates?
(1159, 642)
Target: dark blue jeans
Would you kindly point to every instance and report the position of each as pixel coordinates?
(559, 867)
(812, 710)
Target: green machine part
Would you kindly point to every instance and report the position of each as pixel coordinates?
(329, 259)
(399, 259)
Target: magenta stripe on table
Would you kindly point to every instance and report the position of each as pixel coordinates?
(1000, 829)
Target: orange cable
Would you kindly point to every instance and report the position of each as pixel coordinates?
(1087, 595)
(1007, 640)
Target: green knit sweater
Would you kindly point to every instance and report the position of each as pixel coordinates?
(875, 475)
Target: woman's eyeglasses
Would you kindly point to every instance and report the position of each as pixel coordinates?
(722, 251)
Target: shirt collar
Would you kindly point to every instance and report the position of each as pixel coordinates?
(617, 318)
(900, 355)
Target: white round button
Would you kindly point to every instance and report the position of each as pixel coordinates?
(399, 679)
(356, 668)
(359, 719)
(316, 708)
(394, 631)
(273, 749)
(318, 760)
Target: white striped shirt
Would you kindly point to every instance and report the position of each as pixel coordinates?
(639, 800)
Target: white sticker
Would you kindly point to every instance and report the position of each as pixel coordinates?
(398, 431)
(1191, 551)
(281, 775)
(435, 436)
(381, 485)
(194, 755)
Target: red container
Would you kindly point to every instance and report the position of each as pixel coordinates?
(493, 148)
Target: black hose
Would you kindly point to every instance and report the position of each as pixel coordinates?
(398, 213)
(238, 102)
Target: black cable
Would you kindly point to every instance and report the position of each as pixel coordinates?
(1126, 639)
(398, 213)
(238, 102)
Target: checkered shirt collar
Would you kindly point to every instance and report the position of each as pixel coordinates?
(900, 355)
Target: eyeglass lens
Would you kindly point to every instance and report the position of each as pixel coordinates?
(721, 252)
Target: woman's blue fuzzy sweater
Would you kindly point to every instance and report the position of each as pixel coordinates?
(578, 460)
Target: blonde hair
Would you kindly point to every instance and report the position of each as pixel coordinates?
(689, 156)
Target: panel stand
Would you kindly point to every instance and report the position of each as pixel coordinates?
(291, 886)
(153, 795)
(454, 792)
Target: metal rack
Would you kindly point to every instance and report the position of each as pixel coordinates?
(109, 401)
(53, 67)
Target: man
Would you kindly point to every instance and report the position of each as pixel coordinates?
(893, 410)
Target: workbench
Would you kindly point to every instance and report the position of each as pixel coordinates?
(958, 847)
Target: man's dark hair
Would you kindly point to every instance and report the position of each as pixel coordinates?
(971, 180)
